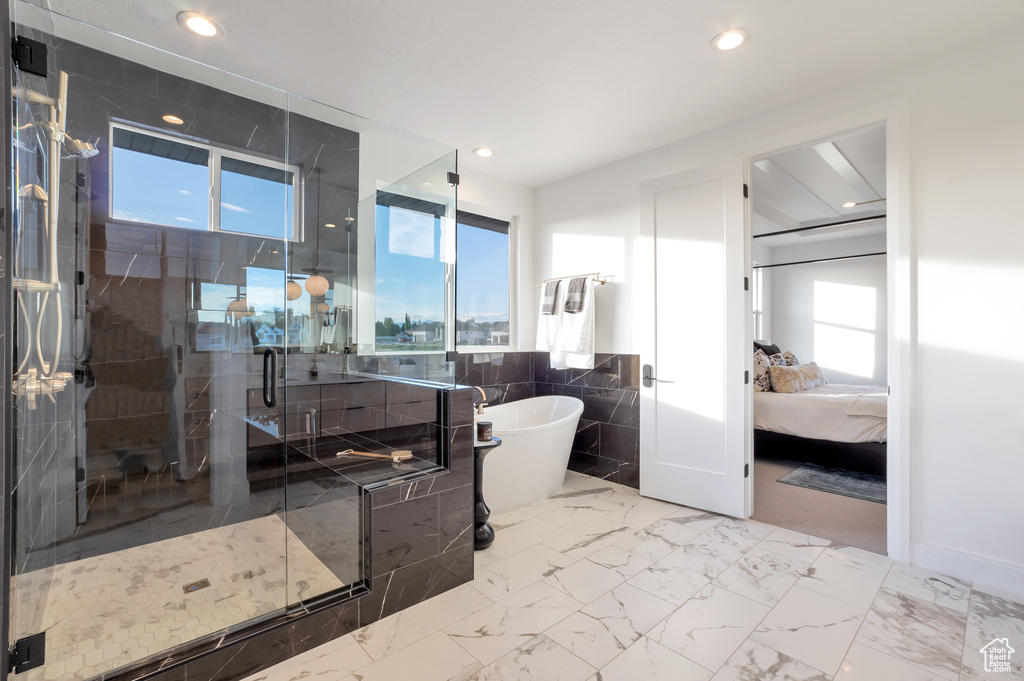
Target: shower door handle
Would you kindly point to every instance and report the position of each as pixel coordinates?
(270, 377)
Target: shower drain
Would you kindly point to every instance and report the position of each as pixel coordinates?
(196, 586)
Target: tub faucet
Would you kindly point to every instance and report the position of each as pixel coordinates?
(483, 401)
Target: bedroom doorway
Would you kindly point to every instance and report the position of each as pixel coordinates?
(820, 276)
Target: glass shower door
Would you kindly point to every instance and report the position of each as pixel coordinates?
(153, 220)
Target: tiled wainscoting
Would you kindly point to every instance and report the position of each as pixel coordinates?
(607, 443)
(421, 545)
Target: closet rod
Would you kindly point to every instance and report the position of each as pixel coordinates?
(805, 262)
(827, 224)
(596, 275)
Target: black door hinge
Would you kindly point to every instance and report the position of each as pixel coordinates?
(453, 178)
(451, 356)
(746, 192)
(28, 653)
(29, 55)
(746, 283)
(746, 470)
(746, 377)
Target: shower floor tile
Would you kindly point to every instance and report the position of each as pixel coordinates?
(107, 611)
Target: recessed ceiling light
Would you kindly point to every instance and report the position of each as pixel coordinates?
(730, 40)
(199, 24)
(851, 204)
(330, 225)
(484, 152)
(173, 120)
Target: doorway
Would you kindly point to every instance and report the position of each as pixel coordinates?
(821, 339)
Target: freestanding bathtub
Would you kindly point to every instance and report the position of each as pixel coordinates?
(536, 439)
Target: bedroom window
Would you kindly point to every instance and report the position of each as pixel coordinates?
(483, 283)
(160, 179)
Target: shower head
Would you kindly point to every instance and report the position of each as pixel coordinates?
(78, 149)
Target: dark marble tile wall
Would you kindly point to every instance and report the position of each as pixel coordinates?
(421, 546)
(607, 443)
(505, 377)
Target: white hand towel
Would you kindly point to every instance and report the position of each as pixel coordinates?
(574, 343)
(547, 324)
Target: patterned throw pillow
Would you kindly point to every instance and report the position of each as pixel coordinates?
(796, 379)
(791, 360)
(762, 382)
(777, 360)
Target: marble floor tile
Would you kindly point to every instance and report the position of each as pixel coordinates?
(814, 629)
(920, 632)
(647, 660)
(756, 662)
(504, 577)
(434, 658)
(500, 628)
(395, 632)
(571, 517)
(867, 664)
(510, 540)
(762, 575)
(334, 659)
(929, 586)
(539, 659)
(701, 520)
(846, 577)
(709, 627)
(609, 625)
(585, 581)
(521, 514)
(589, 538)
(680, 575)
(993, 616)
(623, 562)
(797, 545)
(641, 512)
(659, 539)
(605, 499)
(730, 539)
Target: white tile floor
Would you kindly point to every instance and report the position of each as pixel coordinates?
(599, 584)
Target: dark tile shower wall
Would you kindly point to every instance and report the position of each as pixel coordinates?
(607, 443)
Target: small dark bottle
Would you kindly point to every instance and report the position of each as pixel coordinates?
(483, 431)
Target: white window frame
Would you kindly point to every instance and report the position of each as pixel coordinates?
(213, 201)
(512, 272)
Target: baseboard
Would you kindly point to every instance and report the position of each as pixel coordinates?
(971, 567)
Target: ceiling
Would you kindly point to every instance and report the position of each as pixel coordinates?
(808, 186)
(556, 87)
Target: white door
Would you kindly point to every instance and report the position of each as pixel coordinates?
(694, 328)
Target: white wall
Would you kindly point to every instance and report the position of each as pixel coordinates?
(833, 313)
(489, 196)
(966, 144)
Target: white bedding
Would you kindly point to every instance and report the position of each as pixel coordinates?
(821, 413)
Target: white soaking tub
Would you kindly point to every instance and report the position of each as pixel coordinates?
(536, 439)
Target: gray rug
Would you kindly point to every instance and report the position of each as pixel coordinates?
(866, 486)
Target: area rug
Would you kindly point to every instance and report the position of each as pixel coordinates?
(866, 486)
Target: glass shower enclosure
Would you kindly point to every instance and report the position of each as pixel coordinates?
(198, 276)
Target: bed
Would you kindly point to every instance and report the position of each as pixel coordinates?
(833, 425)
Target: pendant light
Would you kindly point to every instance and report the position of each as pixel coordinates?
(317, 284)
(293, 291)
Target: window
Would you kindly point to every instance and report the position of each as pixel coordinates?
(410, 275)
(482, 285)
(162, 180)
